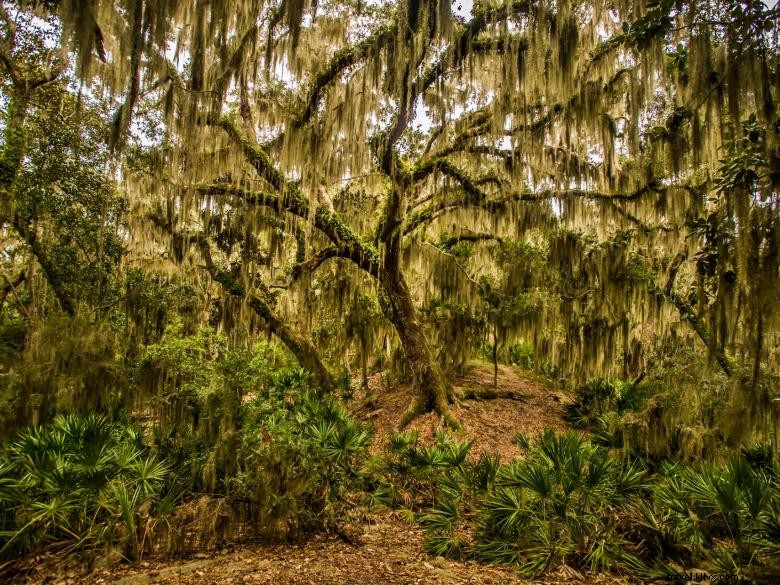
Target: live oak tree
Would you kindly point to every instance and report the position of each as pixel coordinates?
(635, 141)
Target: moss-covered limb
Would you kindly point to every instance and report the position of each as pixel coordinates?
(26, 231)
(299, 345)
(342, 60)
(245, 109)
(291, 199)
(655, 22)
(642, 226)
(350, 246)
(479, 124)
(687, 313)
(10, 285)
(397, 171)
(315, 261)
(449, 243)
(500, 45)
(437, 209)
(447, 168)
(425, 216)
(462, 45)
(674, 267)
(259, 159)
(470, 125)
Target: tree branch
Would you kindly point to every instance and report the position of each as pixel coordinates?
(341, 61)
(27, 233)
(452, 241)
(350, 246)
(447, 168)
(9, 286)
(688, 314)
(436, 209)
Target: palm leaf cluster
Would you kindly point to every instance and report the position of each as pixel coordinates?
(410, 474)
(568, 501)
(80, 483)
(301, 456)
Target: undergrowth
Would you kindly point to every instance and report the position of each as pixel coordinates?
(78, 484)
(569, 501)
(86, 484)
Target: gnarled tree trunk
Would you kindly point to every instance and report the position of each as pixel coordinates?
(433, 392)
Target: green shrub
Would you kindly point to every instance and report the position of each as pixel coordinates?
(723, 518)
(410, 473)
(558, 504)
(598, 397)
(300, 454)
(569, 501)
(81, 483)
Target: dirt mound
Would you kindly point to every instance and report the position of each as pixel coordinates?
(490, 423)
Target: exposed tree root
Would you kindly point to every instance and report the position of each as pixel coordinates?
(416, 408)
(420, 406)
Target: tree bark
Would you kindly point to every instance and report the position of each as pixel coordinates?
(495, 356)
(300, 346)
(433, 392)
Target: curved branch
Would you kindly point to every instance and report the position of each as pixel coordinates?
(310, 265)
(300, 346)
(437, 209)
(452, 241)
(27, 233)
(9, 286)
(340, 62)
(447, 168)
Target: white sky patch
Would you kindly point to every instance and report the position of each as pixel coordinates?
(463, 8)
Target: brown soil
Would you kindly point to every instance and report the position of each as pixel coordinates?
(389, 552)
(491, 424)
(385, 550)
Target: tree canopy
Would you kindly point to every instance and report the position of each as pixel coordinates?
(589, 179)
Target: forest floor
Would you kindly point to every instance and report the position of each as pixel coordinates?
(385, 549)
